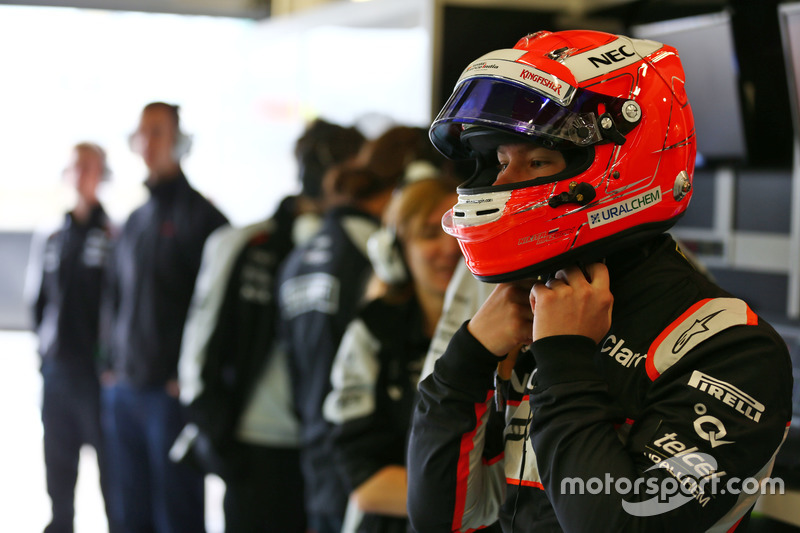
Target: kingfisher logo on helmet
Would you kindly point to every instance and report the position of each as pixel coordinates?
(505, 64)
(614, 107)
(544, 81)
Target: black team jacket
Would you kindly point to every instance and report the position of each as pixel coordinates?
(155, 263)
(65, 277)
(320, 289)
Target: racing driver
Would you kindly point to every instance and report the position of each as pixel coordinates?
(604, 384)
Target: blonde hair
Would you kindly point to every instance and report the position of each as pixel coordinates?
(411, 204)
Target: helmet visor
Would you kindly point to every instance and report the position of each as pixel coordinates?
(514, 108)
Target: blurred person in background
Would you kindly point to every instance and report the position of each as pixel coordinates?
(403, 151)
(64, 284)
(377, 367)
(233, 380)
(321, 286)
(152, 276)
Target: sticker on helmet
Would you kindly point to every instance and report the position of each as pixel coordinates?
(622, 209)
(500, 66)
(604, 59)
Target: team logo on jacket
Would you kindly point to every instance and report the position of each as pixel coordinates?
(95, 249)
(696, 472)
(310, 292)
(622, 355)
(699, 327)
(709, 427)
(728, 394)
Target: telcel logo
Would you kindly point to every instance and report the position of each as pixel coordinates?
(697, 464)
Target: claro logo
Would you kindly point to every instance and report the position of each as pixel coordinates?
(613, 56)
(615, 348)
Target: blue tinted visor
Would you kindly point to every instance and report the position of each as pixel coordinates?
(516, 109)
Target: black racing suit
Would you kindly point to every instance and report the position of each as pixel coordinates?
(321, 286)
(688, 386)
(374, 380)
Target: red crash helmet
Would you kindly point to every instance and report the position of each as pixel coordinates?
(617, 110)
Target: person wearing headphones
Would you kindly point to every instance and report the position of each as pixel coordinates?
(152, 276)
(376, 370)
(233, 380)
(63, 285)
(605, 384)
(320, 288)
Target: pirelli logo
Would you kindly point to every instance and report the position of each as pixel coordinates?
(728, 394)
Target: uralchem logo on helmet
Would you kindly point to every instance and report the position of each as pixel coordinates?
(622, 209)
(610, 57)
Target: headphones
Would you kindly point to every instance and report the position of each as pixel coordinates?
(385, 254)
(183, 144)
(181, 147)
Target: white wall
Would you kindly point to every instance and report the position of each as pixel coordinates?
(245, 91)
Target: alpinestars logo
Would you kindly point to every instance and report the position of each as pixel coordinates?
(699, 326)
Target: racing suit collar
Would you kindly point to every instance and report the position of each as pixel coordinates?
(625, 267)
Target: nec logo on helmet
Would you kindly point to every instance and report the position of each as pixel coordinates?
(614, 56)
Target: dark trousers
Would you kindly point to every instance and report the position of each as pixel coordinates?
(325, 524)
(70, 419)
(156, 495)
(265, 494)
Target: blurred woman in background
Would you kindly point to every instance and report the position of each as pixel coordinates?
(377, 367)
